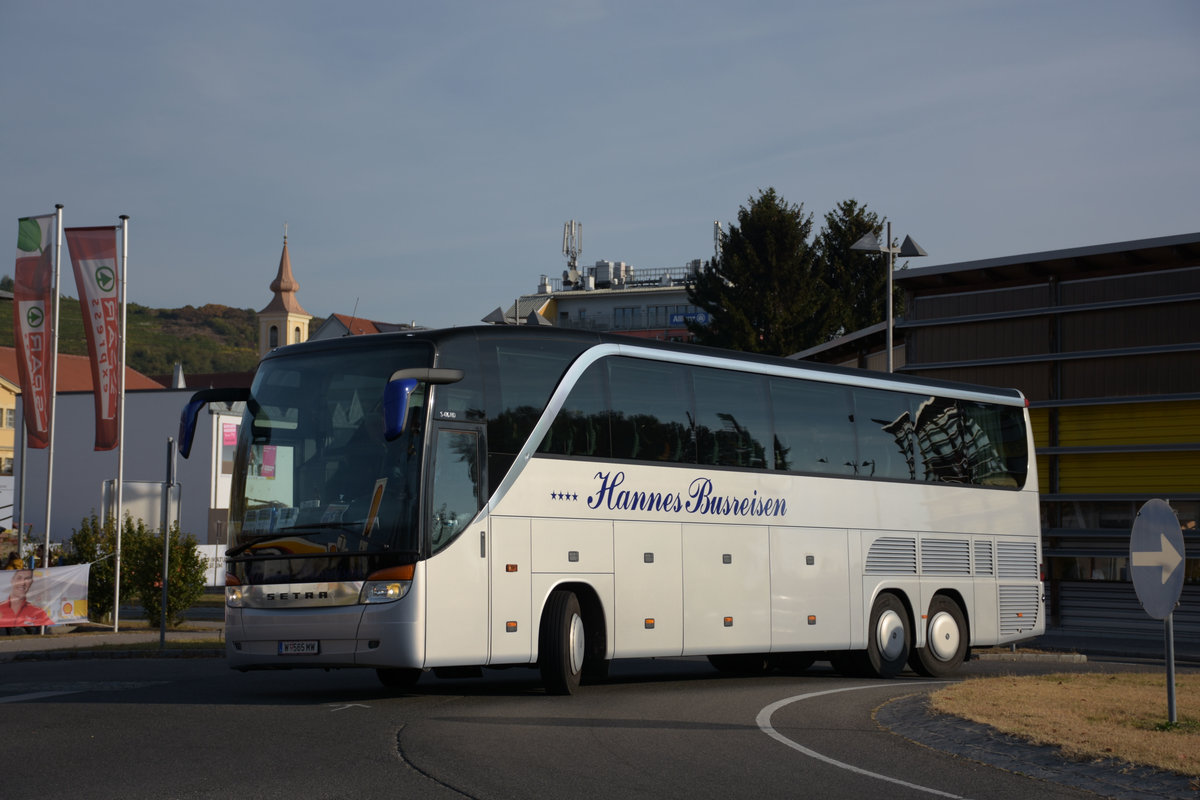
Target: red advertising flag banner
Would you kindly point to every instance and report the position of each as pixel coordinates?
(94, 258)
(33, 279)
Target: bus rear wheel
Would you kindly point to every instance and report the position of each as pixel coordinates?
(945, 640)
(889, 637)
(562, 644)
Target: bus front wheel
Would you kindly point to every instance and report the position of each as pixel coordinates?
(945, 640)
(561, 643)
(890, 638)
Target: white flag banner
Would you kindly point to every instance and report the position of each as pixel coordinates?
(50, 596)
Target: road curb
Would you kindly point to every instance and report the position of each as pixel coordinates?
(1060, 658)
(68, 654)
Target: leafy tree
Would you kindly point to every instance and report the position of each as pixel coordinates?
(6, 283)
(858, 278)
(185, 571)
(141, 567)
(764, 295)
(94, 543)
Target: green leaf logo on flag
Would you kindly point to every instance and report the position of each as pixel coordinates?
(29, 235)
(35, 317)
(105, 278)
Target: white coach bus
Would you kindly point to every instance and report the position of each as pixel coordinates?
(499, 496)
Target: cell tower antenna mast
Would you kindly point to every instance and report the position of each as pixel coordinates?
(572, 247)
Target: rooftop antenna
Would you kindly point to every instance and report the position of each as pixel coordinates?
(353, 317)
(572, 247)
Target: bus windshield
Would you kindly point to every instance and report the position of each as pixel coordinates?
(318, 492)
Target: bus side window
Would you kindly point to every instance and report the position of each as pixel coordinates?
(814, 431)
(581, 427)
(455, 496)
(732, 422)
(651, 411)
(994, 445)
(936, 434)
(883, 426)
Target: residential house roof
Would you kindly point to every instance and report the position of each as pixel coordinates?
(74, 373)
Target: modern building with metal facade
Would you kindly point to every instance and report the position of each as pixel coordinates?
(1104, 341)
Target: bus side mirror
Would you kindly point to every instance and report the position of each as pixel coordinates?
(191, 413)
(395, 406)
(402, 384)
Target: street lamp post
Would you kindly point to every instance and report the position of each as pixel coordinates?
(909, 249)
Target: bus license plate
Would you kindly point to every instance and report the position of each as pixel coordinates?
(301, 647)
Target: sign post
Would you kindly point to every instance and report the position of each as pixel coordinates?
(1156, 559)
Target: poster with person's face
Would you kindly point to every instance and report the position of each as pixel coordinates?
(52, 596)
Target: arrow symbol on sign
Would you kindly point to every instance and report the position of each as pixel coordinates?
(1168, 558)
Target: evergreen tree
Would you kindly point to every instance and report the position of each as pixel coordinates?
(858, 278)
(764, 294)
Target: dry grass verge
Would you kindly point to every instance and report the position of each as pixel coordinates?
(1090, 716)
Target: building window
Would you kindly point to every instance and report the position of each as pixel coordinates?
(6, 466)
(10, 418)
(273, 337)
(296, 337)
(626, 318)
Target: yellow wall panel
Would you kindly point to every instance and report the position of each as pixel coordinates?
(1043, 468)
(1132, 423)
(1039, 419)
(1119, 473)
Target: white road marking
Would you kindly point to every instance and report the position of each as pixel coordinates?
(764, 724)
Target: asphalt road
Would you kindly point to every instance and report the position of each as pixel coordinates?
(134, 728)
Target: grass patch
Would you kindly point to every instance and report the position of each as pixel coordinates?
(210, 599)
(1089, 716)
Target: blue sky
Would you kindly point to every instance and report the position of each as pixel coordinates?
(425, 156)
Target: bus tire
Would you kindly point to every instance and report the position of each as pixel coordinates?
(398, 677)
(945, 640)
(561, 643)
(889, 638)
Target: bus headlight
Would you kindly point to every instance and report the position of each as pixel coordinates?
(384, 591)
(387, 585)
(233, 597)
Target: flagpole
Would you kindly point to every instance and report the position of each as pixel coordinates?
(121, 417)
(58, 220)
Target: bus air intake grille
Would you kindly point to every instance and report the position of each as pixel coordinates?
(1018, 609)
(945, 557)
(985, 559)
(1017, 560)
(892, 556)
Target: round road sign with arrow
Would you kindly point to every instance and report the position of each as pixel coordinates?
(1156, 558)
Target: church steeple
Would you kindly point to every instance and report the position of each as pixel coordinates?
(284, 321)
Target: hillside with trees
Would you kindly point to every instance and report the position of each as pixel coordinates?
(211, 338)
